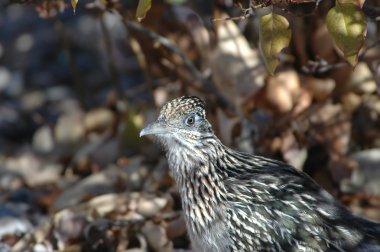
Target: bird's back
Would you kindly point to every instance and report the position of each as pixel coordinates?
(274, 207)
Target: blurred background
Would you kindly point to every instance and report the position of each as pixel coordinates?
(76, 88)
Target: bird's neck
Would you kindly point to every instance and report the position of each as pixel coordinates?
(190, 161)
(200, 183)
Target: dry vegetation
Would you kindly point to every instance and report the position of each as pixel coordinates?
(76, 89)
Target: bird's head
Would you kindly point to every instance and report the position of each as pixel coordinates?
(181, 121)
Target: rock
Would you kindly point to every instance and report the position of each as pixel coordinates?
(10, 181)
(42, 247)
(5, 78)
(43, 139)
(107, 203)
(11, 82)
(4, 247)
(149, 206)
(99, 120)
(351, 101)
(366, 178)
(62, 94)
(95, 184)
(69, 129)
(68, 227)
(14, 226)
(33, 170)
(156, 236)
(362, 80)
(32, 100)
(134, 217)
(320, 89)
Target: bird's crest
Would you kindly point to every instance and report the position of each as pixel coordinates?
(182, 106)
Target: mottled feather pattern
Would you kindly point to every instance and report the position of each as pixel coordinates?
(234, 201)
(181, 106)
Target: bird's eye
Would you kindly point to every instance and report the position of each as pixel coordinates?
(190, 121)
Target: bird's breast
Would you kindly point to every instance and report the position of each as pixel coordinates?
(206, 223)
(205, 209)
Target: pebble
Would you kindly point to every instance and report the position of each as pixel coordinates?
(156, 236)
(149, 206)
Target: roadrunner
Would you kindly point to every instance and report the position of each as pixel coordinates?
(233, 201)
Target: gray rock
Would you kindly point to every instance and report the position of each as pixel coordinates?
(366, 178)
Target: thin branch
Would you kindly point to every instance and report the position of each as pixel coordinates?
(66, 43)
(200, 82)
(321, 66)
(115, 77)
(370, 10)
(367, 48)
(167, 44)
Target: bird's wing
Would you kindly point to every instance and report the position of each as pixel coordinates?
(276, 204)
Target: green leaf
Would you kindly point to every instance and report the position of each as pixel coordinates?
(347, 26)
(74, 4)
(346, 1)
(274, 36)
(142, 8)
(130, 129)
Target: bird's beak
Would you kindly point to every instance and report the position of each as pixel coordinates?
(155, 128)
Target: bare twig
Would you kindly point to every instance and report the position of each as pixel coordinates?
(199, 82)
(371, 11)
(367, 48)
(168, 45)
(66, 42)
(115, 77)
(245, 13)
(321, 66)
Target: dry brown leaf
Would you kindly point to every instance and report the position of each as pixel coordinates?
(99, 119)
(237, 69)
(320, 89)
(282, 91)
(362, 80)
(292, 152)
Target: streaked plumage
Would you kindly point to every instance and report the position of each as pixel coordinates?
(234, 201)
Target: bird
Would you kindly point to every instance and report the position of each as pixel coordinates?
(235, 201)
